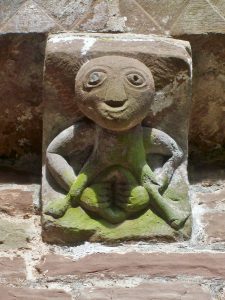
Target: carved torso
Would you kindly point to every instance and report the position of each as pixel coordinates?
(113, 148)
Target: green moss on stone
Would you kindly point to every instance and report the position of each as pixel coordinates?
(80, 226)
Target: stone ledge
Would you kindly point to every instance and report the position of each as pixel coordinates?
(156, 291)
(206, 265)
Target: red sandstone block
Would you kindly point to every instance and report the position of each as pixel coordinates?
(213, 199)
(207, 265)
(16, 202)
(156, 291)
(12, 269)
(214, 227)
(9, 293)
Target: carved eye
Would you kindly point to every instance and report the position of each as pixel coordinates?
(136, 79)
(95, 79)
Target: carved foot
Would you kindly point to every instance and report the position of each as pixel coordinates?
(178, 223)
(174, 217)
(57, 208)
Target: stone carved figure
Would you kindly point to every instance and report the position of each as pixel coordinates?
(116, 181)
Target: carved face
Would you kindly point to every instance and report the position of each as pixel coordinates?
(114, 91)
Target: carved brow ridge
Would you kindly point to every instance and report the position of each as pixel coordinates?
(105, 67)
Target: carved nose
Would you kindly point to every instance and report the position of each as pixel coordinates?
(115, 95)
(115, 103)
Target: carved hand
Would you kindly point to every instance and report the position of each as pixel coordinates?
(164, 178)
(148, 176)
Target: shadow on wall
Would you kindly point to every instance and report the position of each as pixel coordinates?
(21, 60)
(207, 123)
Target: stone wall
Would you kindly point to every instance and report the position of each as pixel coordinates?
(31, 269)
(21, 59)
(24, 26)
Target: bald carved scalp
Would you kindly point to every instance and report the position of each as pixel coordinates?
(114, 91)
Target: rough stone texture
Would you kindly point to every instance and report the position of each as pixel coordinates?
(8, 9)
(45, 16)
(12, 269)
(155, 16)
(103, 16)
(16, 202)
(198, 17)
(15, 234)
(156, 291)
(214, 226)
(162, 11)
(207, 265)
(215, 199)
(10, 176)
(116, 23)
(141, 16)
(30, 18)
(21, 60)
(76, 226)
(207, 179)
(9, 293)
(173, 17)
(137, 19)
(207, 134)
(219, 6)
(169, 62)
(67, 13)
(96, 20)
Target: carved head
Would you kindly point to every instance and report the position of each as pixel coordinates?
(114, 91)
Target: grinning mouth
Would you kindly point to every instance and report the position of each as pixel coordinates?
(113, 108)
(114, 103)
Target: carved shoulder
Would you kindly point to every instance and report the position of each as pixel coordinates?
(159, 142)
(75, 137)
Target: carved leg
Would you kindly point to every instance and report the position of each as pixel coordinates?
(58, 207)
(163, 206)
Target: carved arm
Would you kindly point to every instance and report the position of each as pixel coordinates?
(158, 142)
(76, 137)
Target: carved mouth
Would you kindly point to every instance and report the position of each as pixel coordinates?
(113, 109)
(114, 103)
